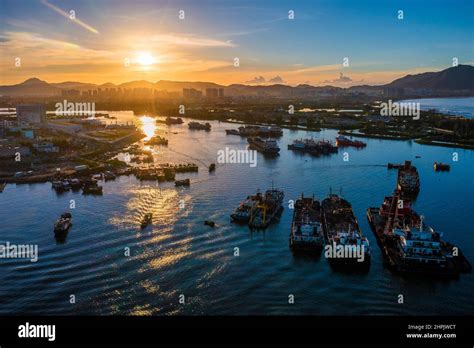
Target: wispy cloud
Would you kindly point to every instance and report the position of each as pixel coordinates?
(68, 16)
(189, 40)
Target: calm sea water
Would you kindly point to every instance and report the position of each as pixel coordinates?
(454, 106)
(179, 255)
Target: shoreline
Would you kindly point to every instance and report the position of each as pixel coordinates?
(420, 141)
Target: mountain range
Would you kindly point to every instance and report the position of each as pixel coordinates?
(459, 78)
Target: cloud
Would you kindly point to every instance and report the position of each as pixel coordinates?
(67, 16)
(341, 78)
(256, 80)
(276, 79)
(189, 40)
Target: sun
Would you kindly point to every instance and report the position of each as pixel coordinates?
(145, 59)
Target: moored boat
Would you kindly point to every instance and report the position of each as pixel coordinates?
(346, 246)
(184, 182)
(306, 228)
(441, 167)
(172, 120)
(242, 213)
(61, 185)
(75, 184)
(267, 209)
(199, 126)
(269, 147)
(409, 246)
(91, 187)
(312, 147)
(342, 141)
(63, 224)
(232, 132)
(408, 180)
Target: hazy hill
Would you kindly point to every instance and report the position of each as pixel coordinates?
(451, 79)
(460, 77)
(30, 87)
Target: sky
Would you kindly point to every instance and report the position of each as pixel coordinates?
(118, 41)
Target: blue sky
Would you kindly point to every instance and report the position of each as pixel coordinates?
(308, 49)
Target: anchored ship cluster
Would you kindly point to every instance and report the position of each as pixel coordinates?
(408, 244)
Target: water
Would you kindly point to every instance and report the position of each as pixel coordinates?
(453, 106)
(179, 255)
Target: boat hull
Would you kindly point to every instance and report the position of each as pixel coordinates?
(392, 260)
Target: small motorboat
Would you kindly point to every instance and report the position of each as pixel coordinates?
(441, 167)
(147, 219)
(63, 224)
(184, 182)
(209, 223)
(212, 167)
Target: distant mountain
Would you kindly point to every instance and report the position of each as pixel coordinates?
(177, 86)
(460, 77)
(451, 79)
(31, 87)
(74, 85)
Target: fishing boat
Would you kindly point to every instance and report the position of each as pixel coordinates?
(312, 147)
(91, 187)
(441, 167)
(259, 131)
(409, 246)
(184, 182)
(269, 147)
(267, 209)
(408, 180)
(61, 185)
(147, 219)
(63, 224)
(346, 246)
(75, 184)
(342, 141)
(242, 213)
(232, 132)
(306, 228)
(171, 120)
(199, 126)
(209, 223)
(212, 167)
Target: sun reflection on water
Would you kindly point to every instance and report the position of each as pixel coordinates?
(148, 126)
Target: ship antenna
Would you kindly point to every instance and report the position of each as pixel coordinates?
(421, 223)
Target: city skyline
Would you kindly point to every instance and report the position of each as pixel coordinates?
(149, 41)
